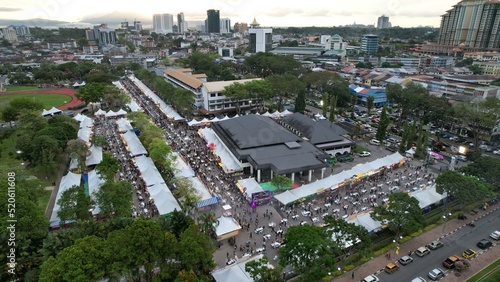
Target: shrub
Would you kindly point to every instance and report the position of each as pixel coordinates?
(349, 267)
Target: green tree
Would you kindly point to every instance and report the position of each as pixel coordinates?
(176, 223)
(485, 168)
(92, 92)
(74, 204)
(402, 214)
(108, 167)
(346, 236)
(45, 152)
(395, 96)
(281, 182)
(300, 102)
(475, 69)
(77, 148)
(308, 250)
(208, 223)
(285, 86)
(100, 141)
(495, 82)
(114, 97)
(369, 103)
(382, 125)
(463, 188)
(86, 260)
(236, 92)
(159, 151)
(324, 106)
(114, 198)
(196, 252)
(261, 270)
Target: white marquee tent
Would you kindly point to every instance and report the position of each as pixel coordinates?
(95, 182)
(228, 161)
(52, 111)
(332, 181)
(134, 144)
(428, 196)
(67, 181)
(124, 125)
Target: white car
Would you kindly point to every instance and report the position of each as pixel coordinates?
(364, 154)
(370, 278)
(496, 152)
(306, 213)
(276, 245)
(267, 236)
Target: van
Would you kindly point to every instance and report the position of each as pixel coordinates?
(375, 142)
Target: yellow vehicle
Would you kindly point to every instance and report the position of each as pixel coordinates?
(469, 253)
(391, 267)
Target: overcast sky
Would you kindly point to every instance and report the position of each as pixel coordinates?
(405, 13)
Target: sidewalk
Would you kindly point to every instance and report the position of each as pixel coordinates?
(376, 264)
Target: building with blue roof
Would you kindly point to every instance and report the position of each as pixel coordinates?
(379, 95)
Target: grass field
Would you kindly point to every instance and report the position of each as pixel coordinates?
(48, 100)
(494, 276)
(15, 88)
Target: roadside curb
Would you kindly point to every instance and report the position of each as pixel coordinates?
(483, 215)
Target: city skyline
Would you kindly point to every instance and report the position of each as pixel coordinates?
(402, 13)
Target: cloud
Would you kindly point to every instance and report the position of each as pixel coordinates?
(9, 9)
(281, 12)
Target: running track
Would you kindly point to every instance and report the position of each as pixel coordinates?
(64, 91)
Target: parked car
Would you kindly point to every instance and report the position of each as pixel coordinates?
(484, 244)
(449, 262)
(495, 235)
(435, 245)
(375, 142)
(418, 279)
(422, 251)
(391, 267)
(346, 158)
(370, 278)
(405, 260)
(364, 154)
(469, 253)
(436, 274)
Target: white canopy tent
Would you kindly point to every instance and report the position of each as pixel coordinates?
(228, 161)
(134, 144)
(182, 169)
(428, 196)
(251, 186)
(100, 112)
(164, 200)
(67, 181)
(79, 117)
(95, 182)
(227, 228)
(50, 112)
(95, 156)
(366, 221)
(286, 112)
(123, 125)
(84, 134)
(267, 114)
(236, 272)
(167, 109)
(332, 181)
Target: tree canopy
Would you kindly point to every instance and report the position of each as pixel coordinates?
(463, 188)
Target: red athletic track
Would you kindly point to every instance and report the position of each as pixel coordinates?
(64, 91)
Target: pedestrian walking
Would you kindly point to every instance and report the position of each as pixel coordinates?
(352, 275)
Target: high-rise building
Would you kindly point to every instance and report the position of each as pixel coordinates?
(225, 25)
(240, 27)
(471, 23)
(213, 21)
(369, 44)
(103, 34)
(138, 25)
(22, 32)
(181, 23)
(383, 22)
(163, 23)
(261, 39)
(9, 34)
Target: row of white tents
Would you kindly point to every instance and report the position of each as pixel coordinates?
(51, 112)
(166, 109)
(111, 113)
(276, 114)
(134, 107)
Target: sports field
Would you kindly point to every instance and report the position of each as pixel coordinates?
(16, 88)
(48, 100)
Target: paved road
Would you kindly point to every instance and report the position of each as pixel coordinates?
(440, 232)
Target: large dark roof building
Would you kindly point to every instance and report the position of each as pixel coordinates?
(268, 147)
(323, 134)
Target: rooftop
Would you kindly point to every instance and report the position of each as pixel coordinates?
(180, 75)
(218, 86)
(316, 131)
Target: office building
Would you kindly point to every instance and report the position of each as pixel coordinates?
(181, 23)
(471, 23)
(213, 21)
(9, 34)
(225, 25)
(369, 44)
(261, 39)
(163, 23)
(240, 27)
(383, 22)
(102, 34)
(137, 25)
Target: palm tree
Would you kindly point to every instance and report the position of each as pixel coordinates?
(208, 223)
